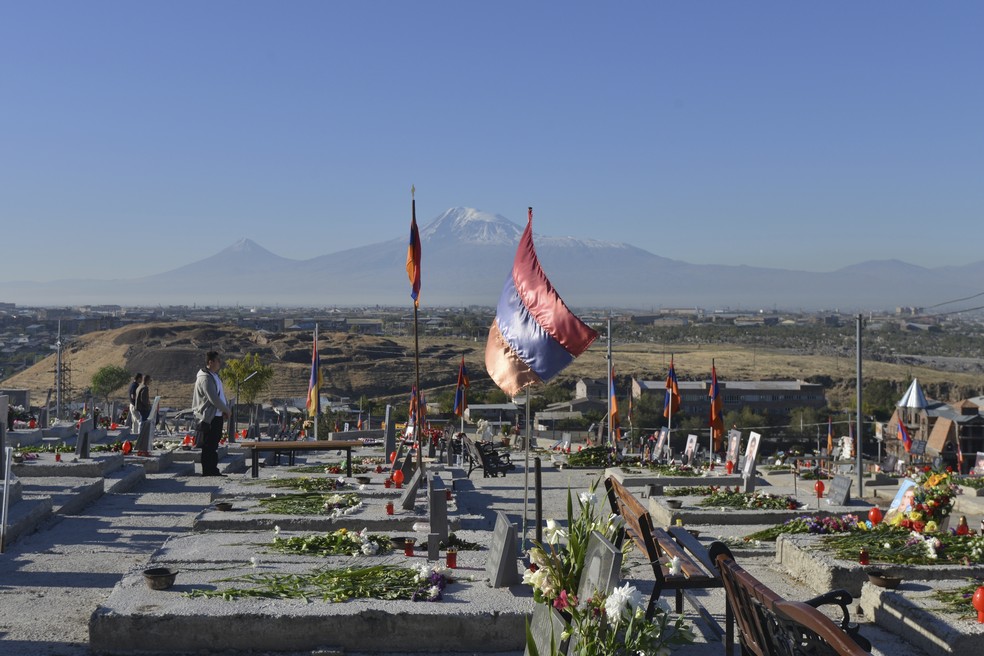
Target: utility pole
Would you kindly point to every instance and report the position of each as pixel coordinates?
(860, 423)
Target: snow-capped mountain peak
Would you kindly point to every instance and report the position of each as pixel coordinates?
(471, 226)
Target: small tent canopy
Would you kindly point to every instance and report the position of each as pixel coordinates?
(913, 397)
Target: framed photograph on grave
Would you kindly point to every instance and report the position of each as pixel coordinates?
(734, 442)
(918, 447)
(903, 499)
(688, 452)
(978, 469)
(661, 441)
(751, 453)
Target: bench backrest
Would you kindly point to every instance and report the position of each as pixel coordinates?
(771, 626)
(638, 523)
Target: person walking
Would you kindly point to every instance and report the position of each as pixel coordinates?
(209, 404)
(134, 417)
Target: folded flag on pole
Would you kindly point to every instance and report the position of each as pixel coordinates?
(614, 428)
(314, 383)
(534, 334)
(413, 252)
(717, 410)
(672, 402)
(904, 436)
(830, 437)
(460, 390)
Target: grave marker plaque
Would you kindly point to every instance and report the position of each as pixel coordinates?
(501, 567)
(688, 452)
(840, 491)
(82, 441)
(918, 447)
(734, 441)
(437, 509)
(751, 453)
(409, 497)
(546, 627)
(602, 562)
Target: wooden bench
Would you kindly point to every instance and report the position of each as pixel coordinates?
(291, 448)
(484, 457)
(769, 625)
(660, 546)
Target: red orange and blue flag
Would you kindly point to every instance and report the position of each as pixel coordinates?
(717, 410)
(534, 334)
(904, 436)
(314, 383)
(413, 253)
(614, 426)
(461, 390)
(672, 402)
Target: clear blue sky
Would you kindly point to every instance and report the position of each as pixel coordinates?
(140, 136)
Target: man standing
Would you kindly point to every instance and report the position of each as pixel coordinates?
(134, 417)
(210, 407)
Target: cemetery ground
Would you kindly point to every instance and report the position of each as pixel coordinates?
(87, 559)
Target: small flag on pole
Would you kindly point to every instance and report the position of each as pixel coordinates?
(461, 390)
(830, 437)
(717, 410)
(614, 428)
(904, 436)
(534, 334)
(314, 383)
(413, 252)
(672, 402)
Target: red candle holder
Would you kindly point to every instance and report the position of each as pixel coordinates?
(389, 508)
(452, 559)
(447, 494)
(387, 483)
(729, 467)
(863, 557)
(978, 602)
(408, 547)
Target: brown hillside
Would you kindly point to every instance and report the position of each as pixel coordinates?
(382, 367)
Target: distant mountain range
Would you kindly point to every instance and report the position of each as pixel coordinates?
(466, 257)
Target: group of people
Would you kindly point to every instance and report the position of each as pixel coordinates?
(209, 404)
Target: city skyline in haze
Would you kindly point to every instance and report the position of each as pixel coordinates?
(139, 137)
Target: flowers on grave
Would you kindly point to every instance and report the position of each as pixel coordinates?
(556, 564)
(616, 625)
(927, 505)
(613, 624)
(748, 500)
(815, 524)
(336, 543)
(311, 503)
(334, 585)
(309, 484)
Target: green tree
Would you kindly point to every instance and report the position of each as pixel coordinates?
(109, 379)
(803, 422)
(235, 373)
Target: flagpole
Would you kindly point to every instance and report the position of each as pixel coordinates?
(317, 388)
(416, 352)
(526, 471)
(710, 432)
(611, 382)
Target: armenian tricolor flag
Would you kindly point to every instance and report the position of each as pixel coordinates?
(717, 410)
(534, 334)
(413, 253)
(904, 436)
(314, 383)
(614, 427)
(672, 403)
(830, 437)
(461, 390)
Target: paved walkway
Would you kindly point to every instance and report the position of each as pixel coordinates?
(52, 580)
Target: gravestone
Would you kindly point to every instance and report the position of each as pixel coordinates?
(501, 565)
(82, 441)
(889, 463)
(409, 497)
(147, 428)
(734, 440)
(389, 437)
(546, 627)
(437, 508)
(840, 491)
(918, 447)
(408, 466)
(602, 562)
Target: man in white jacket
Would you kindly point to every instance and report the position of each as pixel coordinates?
(211, 409)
